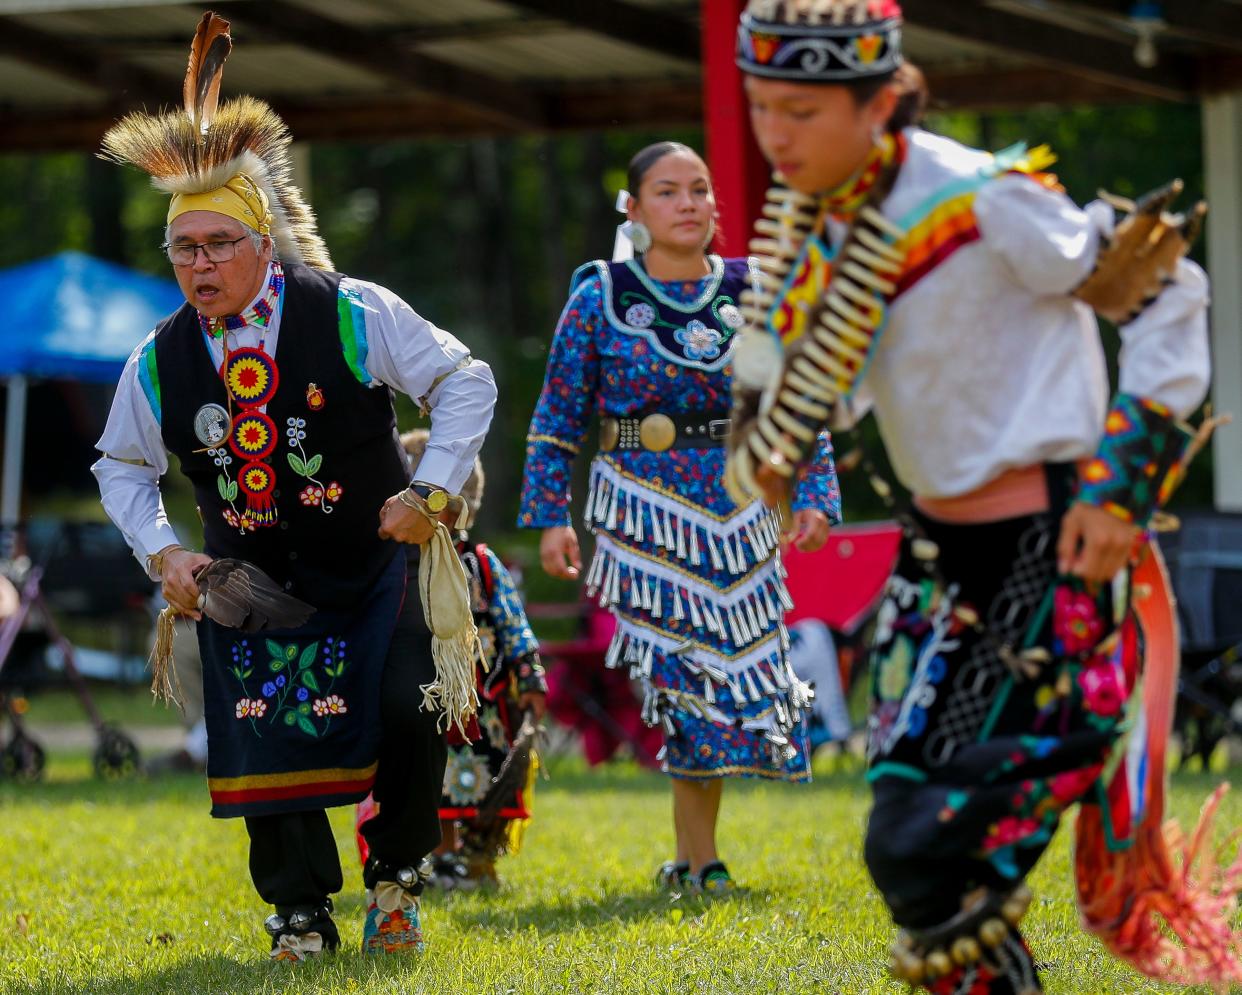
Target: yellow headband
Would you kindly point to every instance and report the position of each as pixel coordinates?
(240, 198)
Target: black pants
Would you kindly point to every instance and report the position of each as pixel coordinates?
(294, 861)
(953, 774)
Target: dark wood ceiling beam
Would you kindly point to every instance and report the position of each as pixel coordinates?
(402, 35)
(1216, 23)
(476, 30)
(506, 104)
(569, 108)
(334, 122)
(649, 28)
(576, 108)
(1049, 45)
(84, 63)
(989, 90)
(596, 106)
(26, 133)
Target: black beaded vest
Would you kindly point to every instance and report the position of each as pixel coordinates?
(336, 458)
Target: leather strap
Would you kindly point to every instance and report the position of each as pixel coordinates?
(658, 432)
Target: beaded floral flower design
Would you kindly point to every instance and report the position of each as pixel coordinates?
(699, 341)
(316, 494)
(295, 686)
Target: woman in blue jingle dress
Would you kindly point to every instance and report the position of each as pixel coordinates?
(695, 582)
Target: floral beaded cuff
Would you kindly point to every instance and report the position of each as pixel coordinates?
(1142, 446)
(529, 675)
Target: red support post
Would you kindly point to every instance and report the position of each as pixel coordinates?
(739, 173)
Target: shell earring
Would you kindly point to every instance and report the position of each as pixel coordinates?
(640, 235)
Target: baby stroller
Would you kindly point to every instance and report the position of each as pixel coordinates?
(88, 578)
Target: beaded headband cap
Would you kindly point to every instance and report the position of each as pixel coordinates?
(232, 157)
(820, 41)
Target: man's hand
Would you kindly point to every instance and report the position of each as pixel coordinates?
(535, 702)
(808, 531)
(405, 524)
(559, 552)
(178, 570)
(1095, 544)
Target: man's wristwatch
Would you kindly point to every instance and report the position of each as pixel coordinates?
(435, 498)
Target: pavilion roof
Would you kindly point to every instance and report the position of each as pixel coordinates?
(371, 69)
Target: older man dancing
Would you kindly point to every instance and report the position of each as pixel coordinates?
(271, 385)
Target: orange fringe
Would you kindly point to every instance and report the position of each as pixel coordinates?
(1158, 905)
(1165, 905)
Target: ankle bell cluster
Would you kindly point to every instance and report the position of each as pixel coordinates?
(409, 879)
(983, 925)
(303, 933)
(301, 921)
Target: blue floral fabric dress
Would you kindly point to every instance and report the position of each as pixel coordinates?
(696, 583)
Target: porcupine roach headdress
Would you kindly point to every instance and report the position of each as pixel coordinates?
(232, 158)
(778, 413)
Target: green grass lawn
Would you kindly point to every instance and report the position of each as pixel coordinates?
(128, 706)
(125, 889)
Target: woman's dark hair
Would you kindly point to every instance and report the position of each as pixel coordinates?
(912, 95)
(644, 159)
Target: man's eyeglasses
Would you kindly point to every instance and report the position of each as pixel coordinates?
(184, 254)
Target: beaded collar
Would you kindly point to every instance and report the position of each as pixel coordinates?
(847, 199)
(259, 313)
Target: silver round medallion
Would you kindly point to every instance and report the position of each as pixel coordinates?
(211, 424)
(731, 315)
(640, 315)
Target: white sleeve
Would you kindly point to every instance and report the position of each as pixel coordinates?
(1048, 242)
(410, 354)
(132, 463)
(1050, 245)
(131, 497)
(1165, 355)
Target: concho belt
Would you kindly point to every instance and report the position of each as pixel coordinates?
(659, 432)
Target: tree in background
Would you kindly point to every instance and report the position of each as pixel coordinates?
(481, 236)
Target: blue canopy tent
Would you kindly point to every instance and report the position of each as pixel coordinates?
(71, 317)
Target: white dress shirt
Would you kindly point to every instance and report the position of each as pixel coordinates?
(989, 363)
(404, 351)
